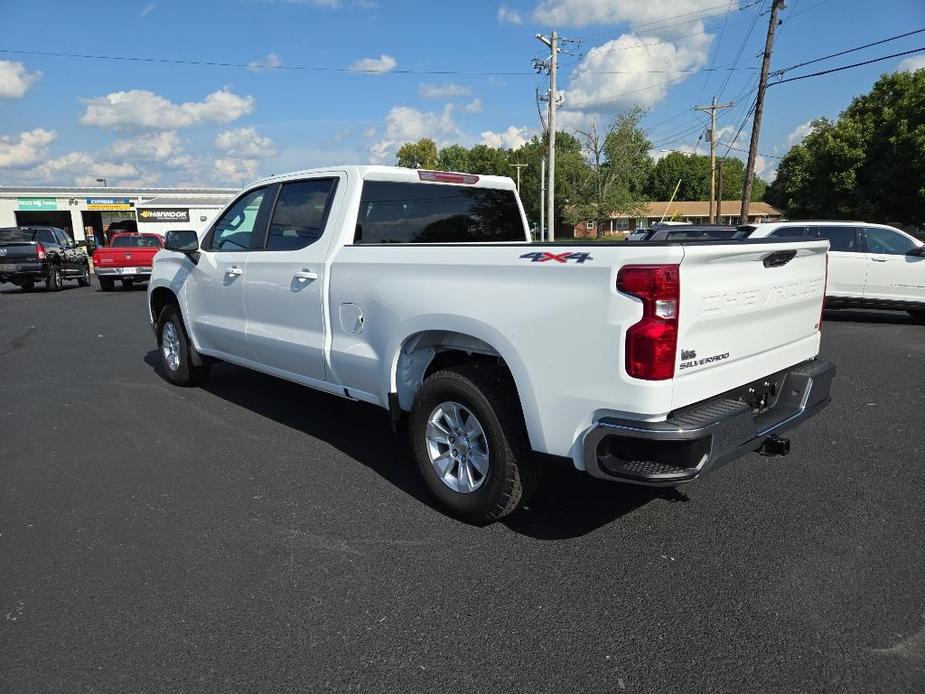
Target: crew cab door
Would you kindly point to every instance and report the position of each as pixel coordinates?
(284, 285)
(216, 296)
(892, 274)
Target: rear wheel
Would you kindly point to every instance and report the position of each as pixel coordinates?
(127, 284)
(918, 314)
(84, 279)
(53, 281)
(470, 443)
(106, 283)
(176, 351)
(27, 285)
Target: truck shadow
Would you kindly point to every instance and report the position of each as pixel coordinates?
(845, 315)
(568, 503)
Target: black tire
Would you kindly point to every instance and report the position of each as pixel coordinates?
(918, 314)
(27, 285)
(127, 284)
(106, 283)
(487, 392)
(53, 280)
(185, 373)
(84, 279)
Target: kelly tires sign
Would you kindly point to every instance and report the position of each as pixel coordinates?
(43, 204)
(163, 214)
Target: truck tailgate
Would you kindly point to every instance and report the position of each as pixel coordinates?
(13, 251)
(747, 310)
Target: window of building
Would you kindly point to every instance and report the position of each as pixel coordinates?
(396, 212)
(233, 231)
(590, 224)
(300, 214)
(623, 223)
(888, 242)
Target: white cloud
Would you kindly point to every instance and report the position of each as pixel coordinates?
(612, 77)
(912, 63)
(801, 131)
(147, 9)
(149, 146)
(270, 62)
(139, 108)
(578, 13)
(26, 149)
(442, 91)
(15, 79)
(405, 124)
(244, 142)
(512, 138)
(377, 66)
(506, 15)
(83, 168)
(474, 106)
(235, 170)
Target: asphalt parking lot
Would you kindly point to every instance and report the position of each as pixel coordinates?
(256, 536)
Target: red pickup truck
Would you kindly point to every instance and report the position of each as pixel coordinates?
(127, 258)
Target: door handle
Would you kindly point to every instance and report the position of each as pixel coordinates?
(305, 275)
(879, 260)
(234, 271)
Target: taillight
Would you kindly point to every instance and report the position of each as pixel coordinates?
(652, 343)
(825, 288)
(40, 251)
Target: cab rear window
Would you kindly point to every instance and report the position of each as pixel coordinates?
(395, 212)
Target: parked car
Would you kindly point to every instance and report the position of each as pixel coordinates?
(870, 265)
(419, 292)
(41, 254)
(127, 259)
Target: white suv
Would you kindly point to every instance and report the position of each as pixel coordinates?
(870, 265)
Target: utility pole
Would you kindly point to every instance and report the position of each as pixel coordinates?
(542, 199)
(713, 107)
(553, 43)
(719, 193)
(518, 167)
(759, 110)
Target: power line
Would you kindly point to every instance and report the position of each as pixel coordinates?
(847, 67)
(849, 50)
(745, 40)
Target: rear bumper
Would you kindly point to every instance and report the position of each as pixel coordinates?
(708, 434)
(115, 272)
(22, 270)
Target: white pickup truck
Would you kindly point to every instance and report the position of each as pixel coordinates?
(419, 291)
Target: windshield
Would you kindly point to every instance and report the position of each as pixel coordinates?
(15, 235)
(137, 241)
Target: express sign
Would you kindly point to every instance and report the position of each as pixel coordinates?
(163, 214)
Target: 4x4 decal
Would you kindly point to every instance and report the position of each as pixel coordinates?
(545, 257)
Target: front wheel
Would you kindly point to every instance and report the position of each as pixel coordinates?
(470, 443)
(176, 350)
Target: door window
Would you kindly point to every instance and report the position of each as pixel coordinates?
(888, 242)
(46, 236)
(300, 214)
(789, 232)
(841, 238)
(234, 229)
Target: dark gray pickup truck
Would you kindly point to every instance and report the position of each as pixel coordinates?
(41, 254)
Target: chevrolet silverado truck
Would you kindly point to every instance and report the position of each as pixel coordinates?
(41, 254)
(128, 259)
(419, 292)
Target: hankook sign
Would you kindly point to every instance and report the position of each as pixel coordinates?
(163, 214)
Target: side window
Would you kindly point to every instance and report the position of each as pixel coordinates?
(788, 232)
(888, 241)
(234, 229)
(841, 238)
(62, 238)
(46, 236)
(300, 214)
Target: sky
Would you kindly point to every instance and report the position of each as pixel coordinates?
(310, 83)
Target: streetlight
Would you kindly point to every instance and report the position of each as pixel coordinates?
(101, 180)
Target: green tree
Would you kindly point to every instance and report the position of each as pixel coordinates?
(489, 161)
(626, 148)
(868, 164)
(454, 158)
(418, 155)
(693, 170)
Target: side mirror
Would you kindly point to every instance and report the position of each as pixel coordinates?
(918, 251)
(186, 242)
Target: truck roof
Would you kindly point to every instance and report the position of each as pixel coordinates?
(372, 172)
